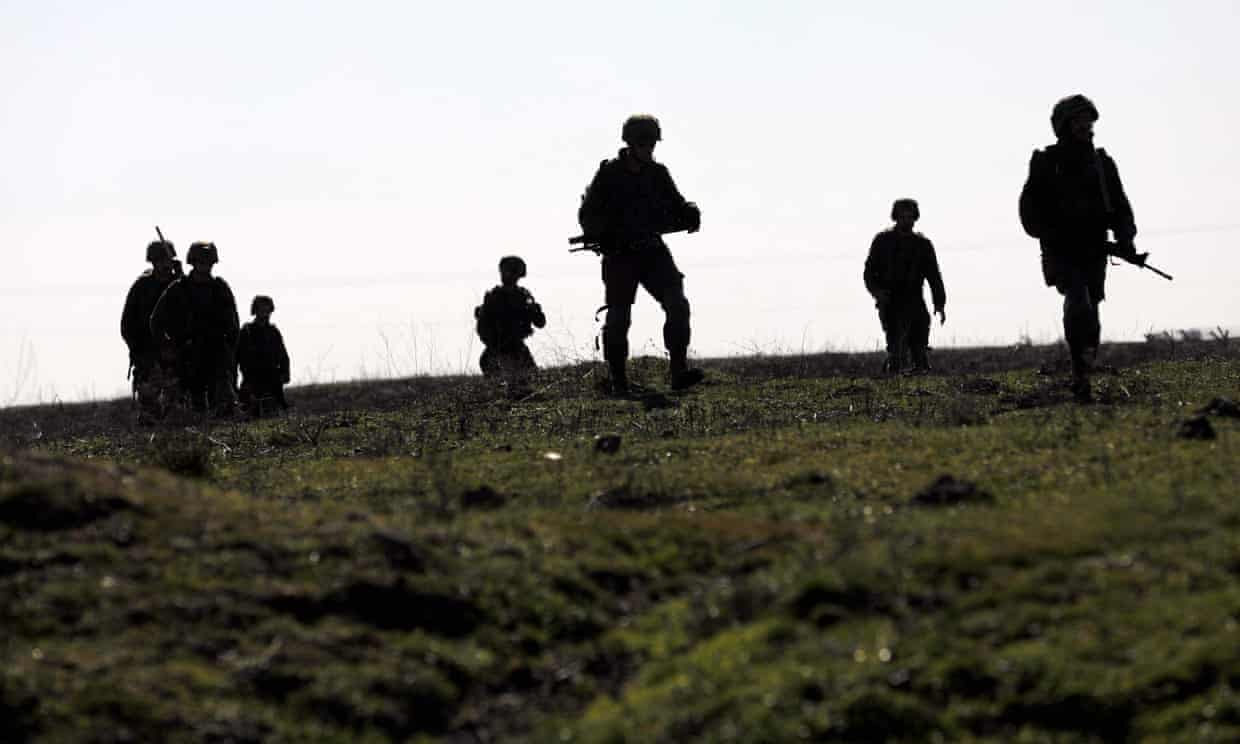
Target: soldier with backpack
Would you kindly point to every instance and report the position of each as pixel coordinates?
(149, 365)
(197, 315)
(1071, 199)
(507, 316)
(628, 206)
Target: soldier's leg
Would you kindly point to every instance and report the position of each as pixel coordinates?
(222, 384)
(895, 318)
(891, 337)
(919, 334)
(1080, 330)
(663, 280)
(620, 290)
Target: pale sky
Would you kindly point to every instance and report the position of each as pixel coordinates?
(367, 164)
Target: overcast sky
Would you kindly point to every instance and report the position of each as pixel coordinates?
(367, 164)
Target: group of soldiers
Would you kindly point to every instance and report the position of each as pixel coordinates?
(1071, 200)
(184, 336)
(186, 341)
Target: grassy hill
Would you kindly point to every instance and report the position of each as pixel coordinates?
(797, 550)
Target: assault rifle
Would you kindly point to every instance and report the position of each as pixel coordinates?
(1129, 254)
(689, 221)
(176, 265)
(595, 243)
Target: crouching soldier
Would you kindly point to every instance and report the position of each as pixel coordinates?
(507, 316)
(263, 361)
(151, 366)
(900, 261)
(198, 316)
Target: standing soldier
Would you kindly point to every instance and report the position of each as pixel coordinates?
(1072, 197)
(900, 261)
(507, 316)
(630, 203)
(263, 360)
(149, 368)
(198, 316)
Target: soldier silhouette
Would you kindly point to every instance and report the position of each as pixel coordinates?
(507, 316)
(198, 316)
(150, 366)
(263, 361)
(899, 263)
(628, 206)
(1071, 198)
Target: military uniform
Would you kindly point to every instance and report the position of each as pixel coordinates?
(627, 206)
(507, 316)
(264, 364)
(897, 266)
(1071, 198)
(144, 351)
(199, 318)
(151, 365)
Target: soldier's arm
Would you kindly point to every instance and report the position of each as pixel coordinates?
(243, 355)
(682, 213)
(282, 354)
(937, 293)
(535, 311)
(1123, 226)
(873, 271)
(233, 319)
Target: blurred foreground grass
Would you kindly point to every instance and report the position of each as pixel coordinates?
(775, 556)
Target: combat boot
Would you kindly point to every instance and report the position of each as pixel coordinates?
(1082, 366)
(619, 382)
(683, 376)
(921, 363)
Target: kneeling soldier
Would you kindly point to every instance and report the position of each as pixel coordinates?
(507, 316)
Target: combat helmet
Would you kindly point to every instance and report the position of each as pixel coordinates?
(262, 301)
(899, 203)
(641, 129)
(514, 264)
(1066, 109)
(159, 250)
(202, 251)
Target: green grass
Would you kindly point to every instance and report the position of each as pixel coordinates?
(434, 560)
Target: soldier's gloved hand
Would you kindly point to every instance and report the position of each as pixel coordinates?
(942, 315)
(1127, 251)
(693, 216)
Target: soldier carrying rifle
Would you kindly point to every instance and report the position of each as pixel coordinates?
(150, 363)
(628, 206)
(1072, 197)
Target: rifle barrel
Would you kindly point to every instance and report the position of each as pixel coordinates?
(1163, 274)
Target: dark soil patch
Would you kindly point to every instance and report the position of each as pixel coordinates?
(55, 505)
(395, 606)
(947, 491)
